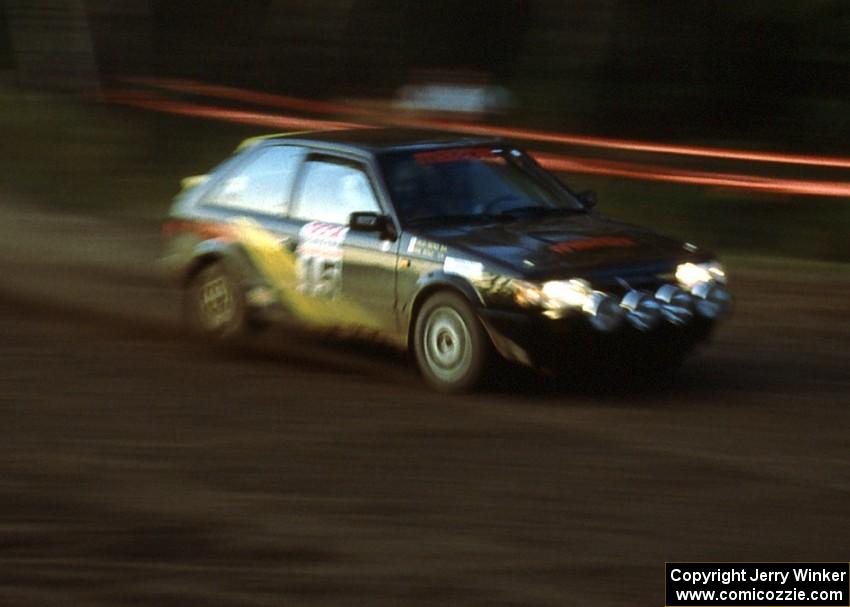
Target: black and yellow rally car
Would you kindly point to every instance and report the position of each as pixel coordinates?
(461, 249)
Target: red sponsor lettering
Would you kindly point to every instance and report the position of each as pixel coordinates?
(452, 155)
(601, 242)
(324, 231)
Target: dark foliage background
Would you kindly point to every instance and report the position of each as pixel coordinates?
(753, 74)
(770, 70)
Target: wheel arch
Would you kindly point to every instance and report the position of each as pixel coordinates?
(198, 263)
(436, 283)
(206, 253)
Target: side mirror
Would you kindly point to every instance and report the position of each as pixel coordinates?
(587, 199)
(367, 221)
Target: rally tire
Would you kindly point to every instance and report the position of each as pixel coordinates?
(451, 347)
(214, 304)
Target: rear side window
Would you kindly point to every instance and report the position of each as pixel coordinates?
(331, 190)
(262, 184)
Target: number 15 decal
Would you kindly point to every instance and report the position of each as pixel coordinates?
(318, 264)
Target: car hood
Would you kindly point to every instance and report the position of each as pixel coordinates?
(572, 245)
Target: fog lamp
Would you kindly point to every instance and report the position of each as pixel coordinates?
(677, 307)
(642, 310)
(712, 300)
(603, 312)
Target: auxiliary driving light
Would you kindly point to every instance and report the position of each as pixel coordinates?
(711, 300)
(642, 310)
(677, 307)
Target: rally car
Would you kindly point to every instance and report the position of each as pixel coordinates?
(462, 250)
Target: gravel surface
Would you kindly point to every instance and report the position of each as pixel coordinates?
(141, 468)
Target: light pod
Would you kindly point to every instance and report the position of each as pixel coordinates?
(711, 300)
(603, 312)
(677, 307)
(642, 310)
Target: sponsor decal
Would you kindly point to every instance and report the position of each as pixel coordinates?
(472, 270)
(426, 248)
(452, 155)
(320, 232)
(601, 242)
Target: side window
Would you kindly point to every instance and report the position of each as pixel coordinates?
(262, 184)
(330, 191)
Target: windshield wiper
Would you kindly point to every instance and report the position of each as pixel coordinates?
(538, 211)
(458, 218)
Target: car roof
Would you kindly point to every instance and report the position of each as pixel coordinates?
(377, 139)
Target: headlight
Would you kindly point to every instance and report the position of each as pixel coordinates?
(691, 274)
(558, 296)
(567, 293)
(553, 295)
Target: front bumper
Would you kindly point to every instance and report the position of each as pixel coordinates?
(530, 338)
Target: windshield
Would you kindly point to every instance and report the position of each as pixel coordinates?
(472, 183)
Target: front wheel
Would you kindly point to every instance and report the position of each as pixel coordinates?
(451, 346)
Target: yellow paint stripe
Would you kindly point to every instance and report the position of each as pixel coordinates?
(277, 264)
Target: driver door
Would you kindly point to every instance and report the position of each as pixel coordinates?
(352, 272)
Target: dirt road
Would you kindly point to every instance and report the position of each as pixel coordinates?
(140, 468)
